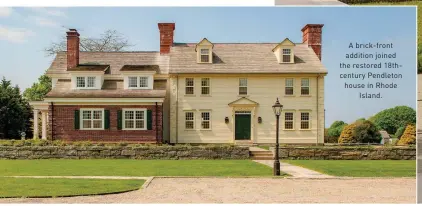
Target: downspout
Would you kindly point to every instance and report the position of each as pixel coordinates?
(52, 121)
(156, 122)
(317, 106)
(177, 109)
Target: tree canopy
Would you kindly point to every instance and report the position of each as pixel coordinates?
(392, 119)
(15, 112)
(39, 89)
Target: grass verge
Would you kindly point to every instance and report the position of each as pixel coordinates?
(360, 168)
(31, 187)
(104, 167)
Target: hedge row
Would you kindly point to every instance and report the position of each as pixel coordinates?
(370, 1)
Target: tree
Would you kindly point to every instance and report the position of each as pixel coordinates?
(392, 119)
(15, 112)
(110, 40)
(366, 132)
(409, 136)
(399, 132)
(335, 130)
(346, 135)
(39, 89)
(419, 58)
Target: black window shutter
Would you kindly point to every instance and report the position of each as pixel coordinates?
(119, 119)
(76, 119)
(106, 119)
(149, 119)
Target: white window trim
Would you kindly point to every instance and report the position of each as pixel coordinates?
(86, 82)
(134, 116)
(199, 54)
(309, 87)
(138, 77)
(209, 86)
(194, 120)
(309, 121)
(293, 86)
(206, 111)
(282, 55)
(238, 90)
(209, 55)
(193, 79)
(284, 120)
(81, 120)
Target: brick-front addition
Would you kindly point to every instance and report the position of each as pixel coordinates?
(62, 119)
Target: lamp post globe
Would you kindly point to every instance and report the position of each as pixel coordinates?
(277, 108)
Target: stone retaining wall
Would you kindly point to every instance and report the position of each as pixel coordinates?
(348, 153)
(123, 152)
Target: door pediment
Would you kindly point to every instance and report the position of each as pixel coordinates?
(243, 101)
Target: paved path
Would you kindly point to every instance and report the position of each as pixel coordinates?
(310, 2)
(256, 190)
(295, 171)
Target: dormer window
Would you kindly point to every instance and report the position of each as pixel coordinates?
(139, 82)
(205, 55)
(286, 55)
(204, 51)
(85, 82)
(284, 51)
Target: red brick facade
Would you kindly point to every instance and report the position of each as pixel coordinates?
(61, 117)
(166, 36)
(72, 48)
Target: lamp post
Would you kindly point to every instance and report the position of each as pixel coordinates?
(277, 107)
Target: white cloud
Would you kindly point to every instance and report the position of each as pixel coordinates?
(41, 21)
(49, 11)
(5, 11)
(16, 35)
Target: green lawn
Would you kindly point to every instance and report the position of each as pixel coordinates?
(27, 187)
(124, 167)
(360, 168)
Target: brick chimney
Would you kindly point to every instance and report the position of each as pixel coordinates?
(312, 34)
(166, 36)
(72, 48)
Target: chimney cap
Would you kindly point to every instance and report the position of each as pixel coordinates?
(72, 32)
(312, 25)
(171, 26)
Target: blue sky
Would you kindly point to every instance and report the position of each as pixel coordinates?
(25, 32)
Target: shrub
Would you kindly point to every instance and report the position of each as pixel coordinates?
(366, 132)
(409, 136)
(346, 135)
(335, 130)
(392, 119)
(399, 132)
(369, 1)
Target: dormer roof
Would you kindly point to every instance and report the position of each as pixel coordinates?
(204, 42)
(285, 42)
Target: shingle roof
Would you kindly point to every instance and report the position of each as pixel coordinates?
(116, 60)
(110, 89)
(243, 58)
(140, 68)
(89, 67)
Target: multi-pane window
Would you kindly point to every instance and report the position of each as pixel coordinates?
(205, 121)
(205, 86)
(143, 81)
(133, 82)
(288, 120)
(138, 82)
(134, 119)
(304, 87)
(304, 120)
(205, 55)
(85, 82)
(92, 119)
(189, 120)
(189, 83)
(286, 55)
(289, 86)
(243, 86)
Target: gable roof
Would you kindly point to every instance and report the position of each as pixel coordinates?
(243, 101)
(204, 41)
(116, 60)
(243, 58)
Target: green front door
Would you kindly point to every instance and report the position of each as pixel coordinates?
(242, 127)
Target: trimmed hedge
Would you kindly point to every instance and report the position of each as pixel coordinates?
(370, 1)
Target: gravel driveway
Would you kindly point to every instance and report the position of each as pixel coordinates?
(256, 190)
